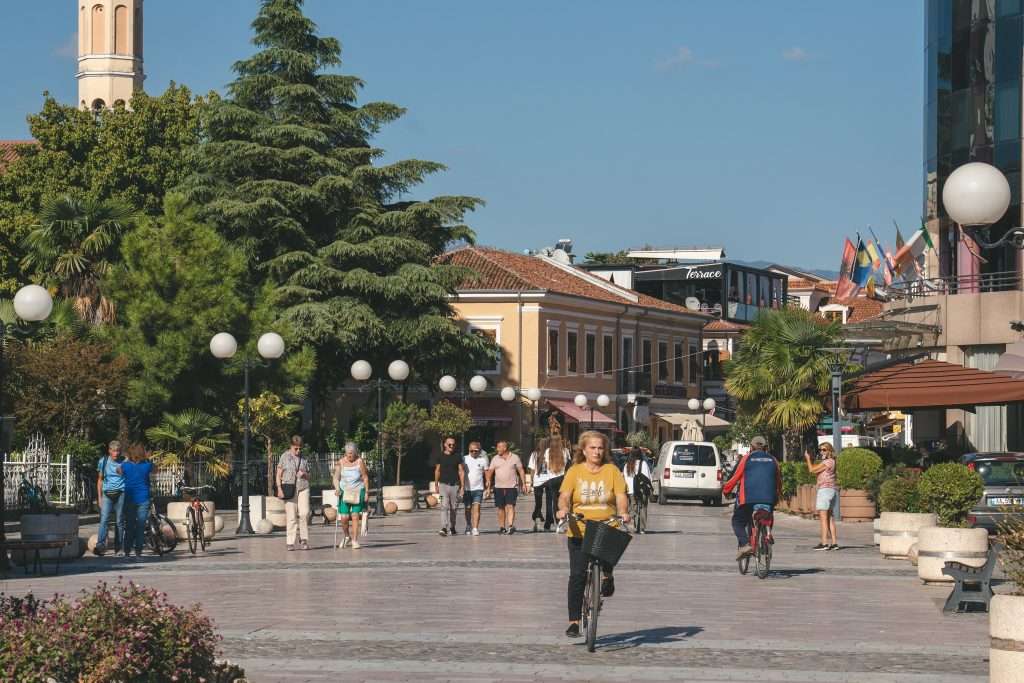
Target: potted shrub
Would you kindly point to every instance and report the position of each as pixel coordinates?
(1006, 620)
(855, 468)
(899, 502)
(807, 489)
(949, 490)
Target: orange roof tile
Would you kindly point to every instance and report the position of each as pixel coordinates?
(500, 270)
(725, 326)
(797, 283)
(861, 308)
(9, 151)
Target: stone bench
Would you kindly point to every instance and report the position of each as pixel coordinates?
(35, 547)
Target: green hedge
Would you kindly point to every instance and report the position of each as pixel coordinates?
(950, 490)
(856, 467)
(900, 493)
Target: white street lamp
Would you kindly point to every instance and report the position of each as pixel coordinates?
(709, 404)
(976, 194)
(447, 384)
(508, 394)
(533, 394)
(398, 370)
(603, 401)
(33, 303)
(693, 404)
(580, 400)
(478, 383)
(270, 345)
(223, 346)
(361, 371)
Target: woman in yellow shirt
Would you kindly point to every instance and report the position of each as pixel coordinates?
(594, 488)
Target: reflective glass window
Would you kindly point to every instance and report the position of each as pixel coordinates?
(1007, 156)
(980, 117)
(1007, 111)
(751, 293)
(1008, 49)
(553, 349)
(607, 354)
(572, 349)
(982, 53)
(960, 60)
(590, 353)
(677, 362)
(1006, 8)
(762, 292)
(662, 361)
(645, 350)
(960, 121)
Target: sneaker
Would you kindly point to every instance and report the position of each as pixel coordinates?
(573, 631)
(511, 530)
(99, 551)
(304, 546)
(138, 553)
(608, 587)
(443, 532)
(476, 532)
(536, 526)
(822, 546)
(355, 545)
(290, 546)
(547, 528)
(502, 530)
(743, 551)
(344, 542)
(468, 531)
(834, 546)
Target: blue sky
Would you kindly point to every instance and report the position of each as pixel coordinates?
(772, 129)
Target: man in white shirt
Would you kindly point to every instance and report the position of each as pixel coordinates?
(475, 464)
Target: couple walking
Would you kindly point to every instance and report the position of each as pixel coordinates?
(547, 464)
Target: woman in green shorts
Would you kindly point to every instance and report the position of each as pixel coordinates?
(351, 480)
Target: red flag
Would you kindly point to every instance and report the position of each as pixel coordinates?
(845, 288)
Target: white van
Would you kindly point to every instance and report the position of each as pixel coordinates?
(689, 470)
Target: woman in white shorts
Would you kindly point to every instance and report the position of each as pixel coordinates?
(827, 503)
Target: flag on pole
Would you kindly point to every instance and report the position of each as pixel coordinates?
(906, 258)
(873, 253)
(871, 287)
(845, 289)
(927, 235)
(862, 266)
(899, 235)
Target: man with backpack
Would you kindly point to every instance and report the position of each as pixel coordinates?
(110, 488)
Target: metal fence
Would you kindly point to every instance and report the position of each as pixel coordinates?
(964, 284)
(56, 479)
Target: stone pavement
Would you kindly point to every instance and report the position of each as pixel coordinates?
(411, 605)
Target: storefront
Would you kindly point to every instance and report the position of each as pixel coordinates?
(730, 290)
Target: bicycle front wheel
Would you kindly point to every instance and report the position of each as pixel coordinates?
(764, 553)
(201, 529)
(592, 607)
(154, 536)
(192, 527)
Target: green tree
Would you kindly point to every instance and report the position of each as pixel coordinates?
(191, 437)
(608, 257)
(288, 174)
(447, 419)
(73, 247)
(404, 425)
(780, 373)
(133, 156)
(272, 420)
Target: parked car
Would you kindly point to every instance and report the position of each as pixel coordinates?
(1003, 475)
(689, 470)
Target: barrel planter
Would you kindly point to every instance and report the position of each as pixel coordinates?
(877, 527)
(390, 507)
(898, 531)
(49, 526)
(805, 494)
(856, 506)
(176, 513)
(402, 496)
(938, 545)
(329, 497)
(276, 513)
(1006, 630)
(218, 523)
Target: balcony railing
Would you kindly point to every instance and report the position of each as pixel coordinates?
(1006, 281)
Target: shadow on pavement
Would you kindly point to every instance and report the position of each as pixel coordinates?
(790, 573)
(651, 636)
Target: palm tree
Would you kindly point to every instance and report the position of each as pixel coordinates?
(780, 373)
(75, 244)
(189, 437)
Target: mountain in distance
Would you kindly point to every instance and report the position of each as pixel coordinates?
(830, 274)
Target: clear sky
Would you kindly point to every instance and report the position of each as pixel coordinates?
(772, 129)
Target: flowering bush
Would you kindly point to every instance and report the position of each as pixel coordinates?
(121, 633)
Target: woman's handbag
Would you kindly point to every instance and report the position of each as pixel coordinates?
(352, 497)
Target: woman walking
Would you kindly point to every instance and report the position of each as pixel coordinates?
(595, 488)
(548, 468)
(827, 503)
(351, 481)
(638, 483)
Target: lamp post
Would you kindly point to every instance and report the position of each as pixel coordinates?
(398, 371)
(977, 195)
(270, 346)
(582, 401)
(32, 303)
(696, 404)
(509, 394)
(477, 384)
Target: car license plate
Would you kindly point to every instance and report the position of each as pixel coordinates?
(1005, 500)
(685, 474)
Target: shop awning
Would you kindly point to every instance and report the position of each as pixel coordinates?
(710, 421)
(932, 384)
(577, 414)
(1012, 362)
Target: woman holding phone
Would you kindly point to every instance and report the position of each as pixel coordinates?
(827, 503)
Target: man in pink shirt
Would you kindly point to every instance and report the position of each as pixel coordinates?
(506, 476)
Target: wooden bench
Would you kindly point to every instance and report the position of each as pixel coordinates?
(972, 585)
(34, 547)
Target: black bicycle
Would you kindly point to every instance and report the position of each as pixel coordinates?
(31, 496)
(155, 537)
(194, 516)
(603, 545)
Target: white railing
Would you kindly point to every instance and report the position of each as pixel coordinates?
(55, 478)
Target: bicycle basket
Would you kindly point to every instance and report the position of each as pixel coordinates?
(605, 542)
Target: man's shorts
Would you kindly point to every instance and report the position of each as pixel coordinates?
(473, 497)
(352, 508)
(828, 499)
(505, 497)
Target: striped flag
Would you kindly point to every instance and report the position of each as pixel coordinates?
(862, 266)
(873, 253)
(845, 289)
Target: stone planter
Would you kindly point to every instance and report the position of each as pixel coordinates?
(275, 512)
(257, 508)
(49, 526)
(1006, 629)
(855, 506)
(877, 526)
(176, 513)
(329, 497)
(938, 545)
(806, 495)
(402, 496)
(898, 531)
(912, 554)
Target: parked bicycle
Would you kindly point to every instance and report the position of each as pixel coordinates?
(603, 545)
(194, 516)
(155, 537)
(761, 542)
(31, 496)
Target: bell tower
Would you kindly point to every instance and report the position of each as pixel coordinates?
(109, 52)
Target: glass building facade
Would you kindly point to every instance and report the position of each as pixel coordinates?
(973, 58)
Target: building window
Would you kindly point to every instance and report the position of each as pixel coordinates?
(626, 361)
(662, 361)
(608, 354)
(678, 363)
(591, 353)
(645, 350)
(99, 33)
(490, 333)
(553, 350)
(694, 364)
(121, 30)
(572, 349)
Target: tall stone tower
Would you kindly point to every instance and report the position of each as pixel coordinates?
(109, 52)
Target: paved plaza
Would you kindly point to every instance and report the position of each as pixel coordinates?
(411, 605)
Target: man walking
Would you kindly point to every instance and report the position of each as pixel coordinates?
(293, 489)
(110, 489)
(449, 480)
(475, 464)
(506, 475)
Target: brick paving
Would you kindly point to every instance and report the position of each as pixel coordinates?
(411, 605)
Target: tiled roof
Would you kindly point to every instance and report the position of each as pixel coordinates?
(861, 308)
(725, 326)
(9, 151)
(797, 283)
(507, 271)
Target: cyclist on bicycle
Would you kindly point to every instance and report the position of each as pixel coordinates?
(594, 488)
(758, 483)
(638, 480)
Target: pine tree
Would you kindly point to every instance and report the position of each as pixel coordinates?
(288, 175)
